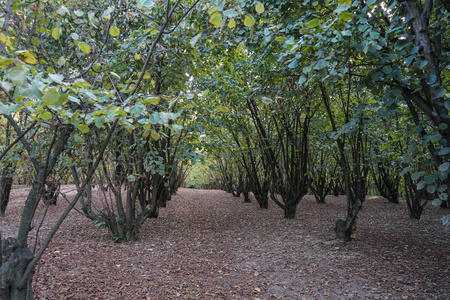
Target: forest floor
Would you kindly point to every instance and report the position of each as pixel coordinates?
(207, 244)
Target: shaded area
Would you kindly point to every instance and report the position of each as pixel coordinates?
(209, 244)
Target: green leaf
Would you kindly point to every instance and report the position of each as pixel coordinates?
(374, 35)
(230, 13)
(444, 151)
(18, 75)
(62, 10)
(231, 24)
(444, 167)
(145, 4)
(107, 13)
(431, 189)
(447, 104)
(195, 39)
(307, 69)
(62, 99)
(259, 7)
(440, 92)
(51, 97)
(346, 2)
(212, 10)
(345, 16)
(434, 137)
(416, 175)
(75, 36)
(78, 138)
(56, 32)
(137, 109)
(79, 13)
(280, 39)
(84, 47)
(216, 19)
(177, 128)
(249, 21)
(421, 185)
(83, 128)
(240, 47)
(405, 170)
(302, 80)
(223, 109)
(421, 63)
(266, 100)
(114, 31)
(293, 64)
(155, 118)
(30, 91)
(61, 61)
(321, 63)
(430, 178)
(100, 122)
(430, 78)
(4, 109)
(152, 100)
(313, 23)
(400, 44)
(27, 57)
(45, 115)
(6, 62)
(115, 75)
(155, 135)
(387, 70)
(445, 219)
(56, 77)
(437, 202)
(127, 125)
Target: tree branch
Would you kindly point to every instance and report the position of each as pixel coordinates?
(17, 140)
(55, 228)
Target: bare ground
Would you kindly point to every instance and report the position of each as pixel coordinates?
(209, 245)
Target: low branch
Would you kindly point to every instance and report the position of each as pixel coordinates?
(17, 140)
(55, 228)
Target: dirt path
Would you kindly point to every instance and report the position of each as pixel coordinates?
(209, 245)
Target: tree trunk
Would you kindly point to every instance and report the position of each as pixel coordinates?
(264, 200)
(344, 229)
(12, 271)
(289, 210)
(246, 196)
(320, 198)
(413, 199)
(320, 193)
(51, 192)
(5, 189)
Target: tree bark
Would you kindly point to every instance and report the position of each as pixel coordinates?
(6, 182)
(289, 211)
(12, 270)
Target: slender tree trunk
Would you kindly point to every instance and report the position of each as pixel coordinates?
(6, 182)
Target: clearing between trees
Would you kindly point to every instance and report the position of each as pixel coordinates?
(208, 244)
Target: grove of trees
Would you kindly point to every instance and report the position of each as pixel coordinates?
(283, 98)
